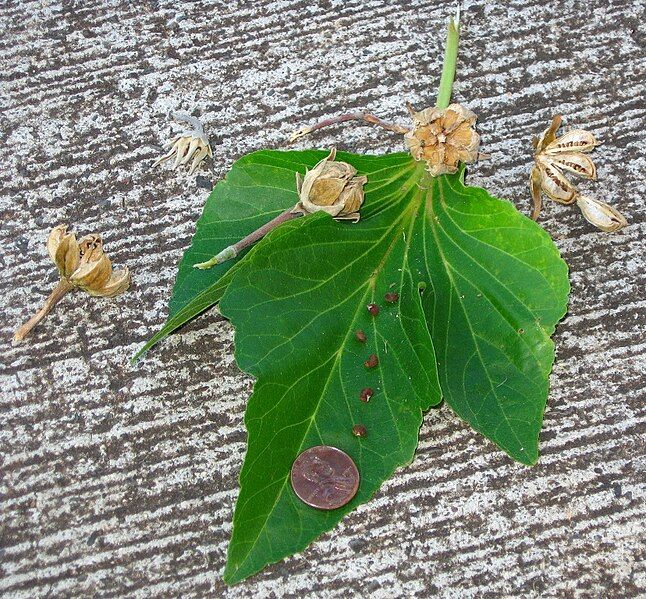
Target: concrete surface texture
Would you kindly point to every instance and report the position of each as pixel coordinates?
(121, 481)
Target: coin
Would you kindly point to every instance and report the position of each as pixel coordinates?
(324, 477)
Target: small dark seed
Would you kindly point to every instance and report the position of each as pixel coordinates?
(358, 430)
(373, 309)
(366, 394)
(372, 361)
(361, 336)
(392, 298)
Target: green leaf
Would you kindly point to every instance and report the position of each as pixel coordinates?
(254, 192)
(480, 287)
(497, 288)
(296, 307)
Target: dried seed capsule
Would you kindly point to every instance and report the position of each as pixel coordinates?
(392, 297)
(373, 309)
(361, 336)
(443, 138)
(366, 394)
(331, 187)
(81, 264)
(358, 430)
(554, 158)
(372, 361)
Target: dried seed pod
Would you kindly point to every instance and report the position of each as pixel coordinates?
(443, 138)
(331, 187)
(84, 264)
(576, 140)
(601, 215)
(554, 156)
(576, 163)
(553, 183)
(81, 265)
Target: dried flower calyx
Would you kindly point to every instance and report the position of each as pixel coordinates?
(553, 158)
(191, 145)
(331, 187)
(81, 264)
(443, 138)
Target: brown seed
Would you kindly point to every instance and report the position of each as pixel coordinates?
(361, 336)
(373, 309)
(358, 430)
(391, 297)
(372, 361)
(324, 477)
(366, 394)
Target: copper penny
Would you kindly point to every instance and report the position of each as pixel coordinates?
(325, 477)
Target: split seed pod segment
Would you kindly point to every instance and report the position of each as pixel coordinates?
(354, 328)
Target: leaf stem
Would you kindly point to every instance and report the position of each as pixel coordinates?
(54, 297)
(231, 251)
(450, 60)
(344, 118)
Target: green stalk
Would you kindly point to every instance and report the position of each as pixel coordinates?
(450, 60)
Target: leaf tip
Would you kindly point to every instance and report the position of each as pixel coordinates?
(233, 574)
(133, 361)
(527, 456)
(143, 350)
